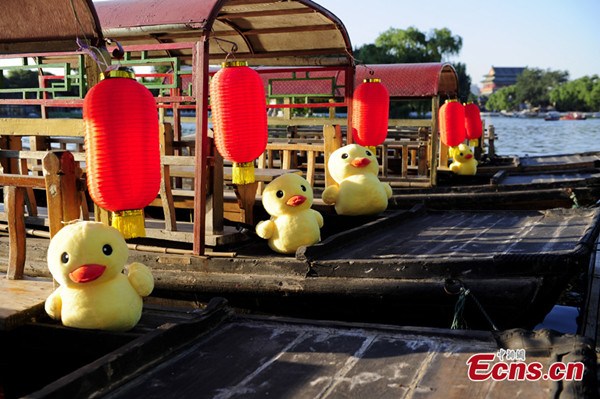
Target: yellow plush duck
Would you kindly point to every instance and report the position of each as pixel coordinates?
(293, 224)
(464, 163)
(87, 260)
(358, 190)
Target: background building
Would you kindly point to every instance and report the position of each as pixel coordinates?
(499, 77)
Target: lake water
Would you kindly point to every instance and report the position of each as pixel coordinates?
(535, 136)
(532, 136)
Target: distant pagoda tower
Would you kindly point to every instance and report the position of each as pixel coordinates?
(499, 77)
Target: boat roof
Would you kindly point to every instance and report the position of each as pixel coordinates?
(50, 26)
(412, 80)
(265, 32)
(404, 81)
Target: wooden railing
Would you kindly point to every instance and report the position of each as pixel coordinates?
(61, 181)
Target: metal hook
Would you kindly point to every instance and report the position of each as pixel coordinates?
(234, 46)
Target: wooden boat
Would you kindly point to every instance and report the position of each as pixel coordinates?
(552, 116)
(573, 116)
(507, 190)
(404, 267)
(216, 353)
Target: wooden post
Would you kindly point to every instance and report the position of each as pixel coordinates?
(200, 68)
(246, 195)
(424, 139)
(62, 193)
(214, 198)
(14, 202)
(478, 151)
(4, 161)
(434, 140)
(19, 166)
(166, 197)
(491, 139)
(332, 140)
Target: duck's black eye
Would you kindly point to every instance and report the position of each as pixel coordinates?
(344, 156)
(369, 153)
(461, 154)
(279, 194)
(107, 249)
(64, 258)
(303, 187)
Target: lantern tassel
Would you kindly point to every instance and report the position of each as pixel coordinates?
(129, 223)
(242, 173)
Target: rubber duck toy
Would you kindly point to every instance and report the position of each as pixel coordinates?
(358, 190)
(464, 163)
(293, 223)
(87, 260)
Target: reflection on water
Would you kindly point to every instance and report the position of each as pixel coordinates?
(562, 319)
(535, 136)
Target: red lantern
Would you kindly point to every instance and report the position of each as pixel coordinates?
(370, 113)
(473, 125)
(452, 123)
(239, 114)
(122, 149)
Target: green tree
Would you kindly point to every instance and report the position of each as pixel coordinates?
(534, 85)
(18, 78)
(503, 100)
(412, 46)
(582, 94)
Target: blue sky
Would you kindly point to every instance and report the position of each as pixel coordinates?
(550, 34)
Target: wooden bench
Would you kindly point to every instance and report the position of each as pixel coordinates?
(184, 167)
(61, 182)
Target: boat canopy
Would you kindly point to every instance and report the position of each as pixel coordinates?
(31, 26)
(264, 32)
(413, 80)
(403, 81)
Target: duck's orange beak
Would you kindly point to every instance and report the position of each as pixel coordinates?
(296, 200)
(86, 273)
(469, 156)
(360, 162)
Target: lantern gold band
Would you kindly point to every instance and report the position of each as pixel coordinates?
(117, 74)
(372, 80)
(131, 212)
(227, 64)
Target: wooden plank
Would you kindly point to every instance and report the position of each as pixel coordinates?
(22, 181)
(62, 192)
(15, 202)
(21, 300)
(332, 135)
(42, 127)
(38, 155)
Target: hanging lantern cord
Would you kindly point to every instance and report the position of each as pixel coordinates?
(234, 46)
(95, 53)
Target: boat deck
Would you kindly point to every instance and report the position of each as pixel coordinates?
(586, 159)
(22, 300)
(453, 236)
(223, 356)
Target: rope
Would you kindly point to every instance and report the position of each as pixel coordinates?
(458, 321)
